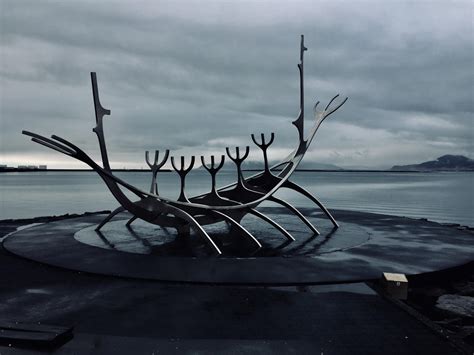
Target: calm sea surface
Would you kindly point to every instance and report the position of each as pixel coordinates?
(442, 197)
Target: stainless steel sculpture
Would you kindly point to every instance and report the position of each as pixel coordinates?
(229, 203)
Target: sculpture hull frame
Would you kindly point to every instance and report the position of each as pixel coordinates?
(229, 203)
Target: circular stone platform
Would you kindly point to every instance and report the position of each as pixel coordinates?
(362, 248)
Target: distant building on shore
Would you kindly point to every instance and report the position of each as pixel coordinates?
(32, 167)
(6, 168)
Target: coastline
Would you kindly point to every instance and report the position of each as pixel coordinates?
(16, 170)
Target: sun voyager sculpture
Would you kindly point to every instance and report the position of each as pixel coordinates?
(230, 203)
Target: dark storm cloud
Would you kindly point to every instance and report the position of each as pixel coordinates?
(195, 76)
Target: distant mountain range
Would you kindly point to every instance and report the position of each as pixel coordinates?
(444, 163)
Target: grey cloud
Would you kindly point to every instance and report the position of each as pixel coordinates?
(181, 75)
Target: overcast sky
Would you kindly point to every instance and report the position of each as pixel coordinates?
(195, 77)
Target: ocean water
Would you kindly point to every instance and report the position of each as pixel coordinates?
(441, 196)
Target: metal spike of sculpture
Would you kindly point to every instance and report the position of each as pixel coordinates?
(229, 203)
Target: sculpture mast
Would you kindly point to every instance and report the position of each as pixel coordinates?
(299, 122)
(100, 112)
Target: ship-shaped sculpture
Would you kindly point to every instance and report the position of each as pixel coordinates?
(229, 203)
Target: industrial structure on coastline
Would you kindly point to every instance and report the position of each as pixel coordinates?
(4, 167)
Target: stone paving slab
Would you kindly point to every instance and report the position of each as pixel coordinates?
(133, 316)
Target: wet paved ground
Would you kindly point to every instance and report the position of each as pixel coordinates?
(124, 316)
(116, 316)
